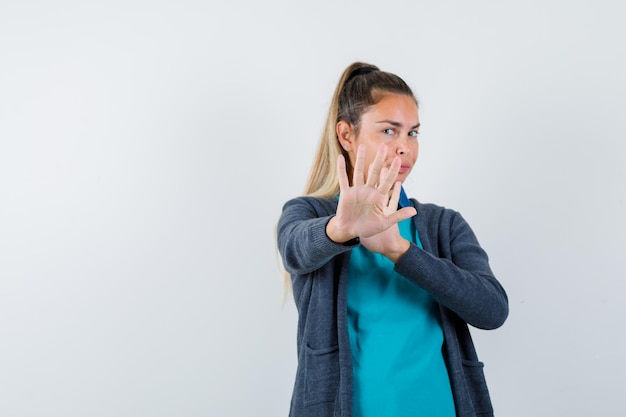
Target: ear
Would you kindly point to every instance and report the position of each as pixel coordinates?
(345, 134)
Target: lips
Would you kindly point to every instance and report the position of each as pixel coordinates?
(404, 169)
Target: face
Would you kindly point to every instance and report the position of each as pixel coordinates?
(393, 121)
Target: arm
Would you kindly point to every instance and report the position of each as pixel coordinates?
(460, 279)
(307, 240)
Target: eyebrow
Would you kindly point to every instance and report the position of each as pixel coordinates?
(397, 124)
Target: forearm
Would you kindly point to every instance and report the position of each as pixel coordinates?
(474, 295)
(302, 239)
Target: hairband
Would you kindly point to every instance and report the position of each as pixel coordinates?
(360, 71)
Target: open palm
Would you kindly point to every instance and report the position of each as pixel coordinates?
(365, 208)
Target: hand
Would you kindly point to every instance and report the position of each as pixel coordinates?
(388, 242)
(365, 208)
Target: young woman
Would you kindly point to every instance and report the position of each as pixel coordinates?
(385, 286)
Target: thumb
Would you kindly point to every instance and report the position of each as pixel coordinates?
(402, 214)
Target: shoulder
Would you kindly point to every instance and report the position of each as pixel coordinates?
(443, 219)
(430, 210)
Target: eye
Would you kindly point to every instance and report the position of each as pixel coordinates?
(414, 133)
(388, 131)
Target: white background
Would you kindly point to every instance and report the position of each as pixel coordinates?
(146, 149)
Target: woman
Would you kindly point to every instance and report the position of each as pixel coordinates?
(384, 286)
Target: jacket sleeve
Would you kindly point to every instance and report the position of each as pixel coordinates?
(460, 279)
(303, 243)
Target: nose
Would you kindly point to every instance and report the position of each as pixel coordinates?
(402, 147)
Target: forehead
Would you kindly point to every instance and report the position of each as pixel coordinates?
(399, 108)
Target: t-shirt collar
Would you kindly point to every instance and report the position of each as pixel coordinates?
(404, 200)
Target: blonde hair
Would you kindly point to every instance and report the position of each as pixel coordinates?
(360, 86)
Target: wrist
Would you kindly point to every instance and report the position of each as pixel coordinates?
(398, 251)
(337, 233)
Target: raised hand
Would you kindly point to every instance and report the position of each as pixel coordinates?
(366, 208)
(389, 242)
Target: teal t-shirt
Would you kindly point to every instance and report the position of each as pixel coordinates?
(396, 340)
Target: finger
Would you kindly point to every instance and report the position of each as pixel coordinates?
(391, 176)
(357, 177)
(395, 195)
(341, 172)
(383, 174)
(373, 173)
